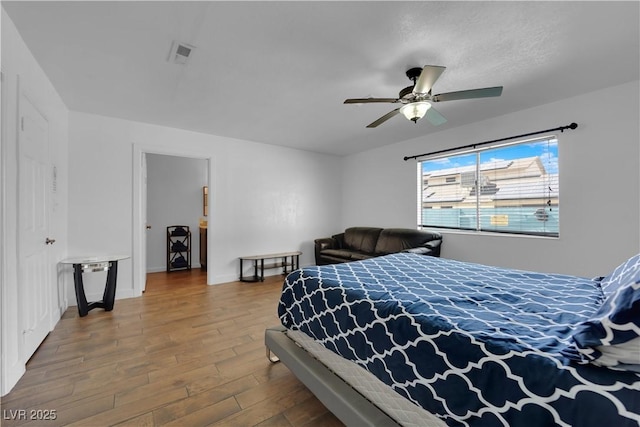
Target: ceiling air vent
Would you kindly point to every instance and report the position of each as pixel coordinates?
(180, 53)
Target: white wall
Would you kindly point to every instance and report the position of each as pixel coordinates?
(23, 74)
(264, 198)
(174, 197)
(599, 185)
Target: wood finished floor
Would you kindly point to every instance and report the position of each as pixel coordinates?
(183, 354)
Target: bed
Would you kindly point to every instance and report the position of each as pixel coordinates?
(414, 340)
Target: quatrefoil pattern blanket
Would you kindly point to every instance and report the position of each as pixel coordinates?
(473, 344)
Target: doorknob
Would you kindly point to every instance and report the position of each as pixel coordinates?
(49, 241)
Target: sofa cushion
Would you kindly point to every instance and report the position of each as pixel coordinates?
(359, 256)
(393, 240)
(337, 253)
(361, 239)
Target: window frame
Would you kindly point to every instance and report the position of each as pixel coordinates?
(548, 176)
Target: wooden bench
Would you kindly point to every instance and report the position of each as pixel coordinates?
(282, 259)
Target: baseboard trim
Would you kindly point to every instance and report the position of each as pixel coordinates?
(11, 376)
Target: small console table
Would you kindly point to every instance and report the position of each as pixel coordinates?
(283, 259)
(108, 263)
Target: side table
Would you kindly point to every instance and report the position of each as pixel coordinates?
(108, 263)
(284, 262)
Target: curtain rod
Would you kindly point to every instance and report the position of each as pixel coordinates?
(560, 128)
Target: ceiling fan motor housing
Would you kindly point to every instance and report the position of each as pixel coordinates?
(406, 94)
(414, 73)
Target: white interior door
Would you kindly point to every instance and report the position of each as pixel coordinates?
(33, 227)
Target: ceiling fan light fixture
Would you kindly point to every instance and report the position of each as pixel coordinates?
(415, 110)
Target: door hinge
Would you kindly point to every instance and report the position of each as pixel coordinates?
(22, 123)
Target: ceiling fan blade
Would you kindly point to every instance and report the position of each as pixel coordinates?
(434, 117)
(367, 100)
(429, 75)
(468, 94)
(384, 118)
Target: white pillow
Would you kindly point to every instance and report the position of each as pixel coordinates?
(627, 353)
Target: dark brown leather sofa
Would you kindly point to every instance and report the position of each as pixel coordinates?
(357, 243)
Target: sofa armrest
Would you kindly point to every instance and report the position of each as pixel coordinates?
(326, 243)
(322, 244)
(422, 250)
(434, 247)
(431, 248)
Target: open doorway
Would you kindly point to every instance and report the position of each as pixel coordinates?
(140, 188)
(174, 198)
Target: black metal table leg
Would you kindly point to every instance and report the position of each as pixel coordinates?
(109, 295)
(81, 298)
(281, 260)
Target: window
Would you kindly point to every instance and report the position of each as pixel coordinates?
(510, 188)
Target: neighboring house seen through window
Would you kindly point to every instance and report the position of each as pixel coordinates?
(511, 188)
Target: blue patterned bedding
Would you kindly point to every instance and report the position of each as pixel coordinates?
(473, 344)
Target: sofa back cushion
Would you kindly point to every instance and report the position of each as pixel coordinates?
(362, 239)
(392, 240)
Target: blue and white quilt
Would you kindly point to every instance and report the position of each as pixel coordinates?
(473, 344)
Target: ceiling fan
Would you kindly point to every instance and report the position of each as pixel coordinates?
(417, 99)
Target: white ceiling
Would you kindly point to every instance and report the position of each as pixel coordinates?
(278, 72)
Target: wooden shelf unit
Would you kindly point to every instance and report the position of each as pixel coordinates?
(178, 248)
